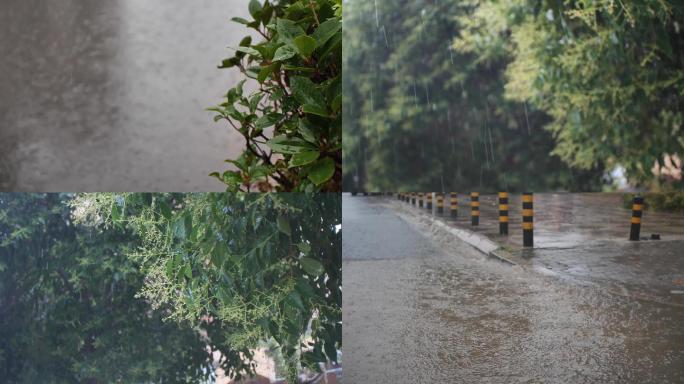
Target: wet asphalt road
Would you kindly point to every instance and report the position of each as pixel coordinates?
(421, 307)
(583, 236)
(110, 95)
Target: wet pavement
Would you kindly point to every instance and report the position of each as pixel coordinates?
(110, 95)
(564, 220)
(584, 236)
(420, 306)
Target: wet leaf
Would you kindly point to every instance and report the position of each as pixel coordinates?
(286, 145)
(285, 52)
(305, 45)
(249, 51)
(322, 171)
(303, 158)
(240, 20)
(288, 30)
(255, 9)
(325, 31)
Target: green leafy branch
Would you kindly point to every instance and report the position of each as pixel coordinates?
(291, 124)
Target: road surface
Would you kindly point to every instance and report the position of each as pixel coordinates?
(420, 306)
(111, 95)
(581, 236)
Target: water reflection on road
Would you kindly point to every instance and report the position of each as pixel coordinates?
(431, 309)
(110, 95)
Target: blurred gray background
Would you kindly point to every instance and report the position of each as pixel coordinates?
(110, 95)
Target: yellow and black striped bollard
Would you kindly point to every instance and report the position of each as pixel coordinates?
(420, 199)
(399, 196)
(528, 219)
(453, 204)
(503, 213)
(440, 203)
(429, 201)
(474, 208)
(637, 211)
(413, 199)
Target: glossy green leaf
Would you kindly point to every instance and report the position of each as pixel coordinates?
(240, 20)
(322, 171)
(289, 145)
(265, 72)
(315, 109)
(248, 50)
(255, 9)
(326, 30)
(285, 52)
(303, 158)
(288, 30)
(305, 45)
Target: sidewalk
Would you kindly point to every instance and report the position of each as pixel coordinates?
(581, 237)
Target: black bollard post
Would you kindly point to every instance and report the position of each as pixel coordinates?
(503, 213)
(474, 208)
(453, 204)
(637, 211)
(528, 219)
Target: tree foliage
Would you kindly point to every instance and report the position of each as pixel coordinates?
(68, 306)
(266, 266)
(292, 123)
(609, 74)
(524, 94)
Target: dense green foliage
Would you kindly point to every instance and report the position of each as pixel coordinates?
(609, 74)
(521, 94)
(68, 306)
(144, 287)
(267, 266)
(292, 123)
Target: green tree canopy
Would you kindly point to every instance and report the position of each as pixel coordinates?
(266, 266)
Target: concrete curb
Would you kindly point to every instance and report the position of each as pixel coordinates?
(477, 241)
(480, 242)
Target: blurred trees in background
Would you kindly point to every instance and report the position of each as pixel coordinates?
(520, 94)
